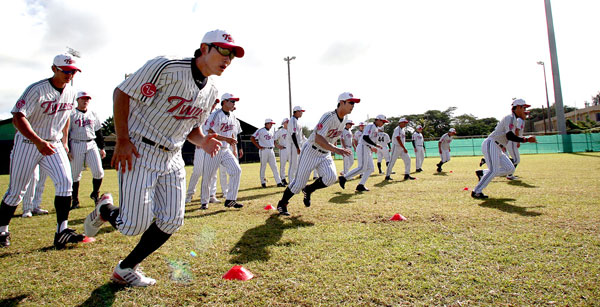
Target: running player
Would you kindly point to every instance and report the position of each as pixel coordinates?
(366, 146)
(316, 153)
(155, 110)
(513, 147)
(399, 150)
(263, 140)
(281, 141)
(492, 147)
(41, 117)
(87, 146)
(294, 141)
(346, 140)
(444, 148)
(419, 145)
(383, 140)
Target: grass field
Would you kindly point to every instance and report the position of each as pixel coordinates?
(534, 242)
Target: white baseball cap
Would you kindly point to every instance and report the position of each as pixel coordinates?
(224, 40)
(350, 122)
(84, 95)
(347, 96)
(285, 120)
(228, 96)
(361, 124)
(65, 62)
(452, 130)
(520, 102)
(419, 127)
(403, 120)
(382, 117)
(269, 121)
(298, 108)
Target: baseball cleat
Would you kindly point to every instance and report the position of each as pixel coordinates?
(264, 185)
(94, 220)
(342, 181)
(68, 235)
(131, 277)
(361, 188)
(75, 204)
(512, 177)
(388, 178)
(419, 170)
(213, 200)
(232, 203)
(4, 239)
(94, 196)
(482, 162)
(478, 195)
(479, 174)
(280, 185)
(39, 211)
(27, 213)
(408, 177)
(282, 208)
(306, 199)
(203, 207)
(284, 182)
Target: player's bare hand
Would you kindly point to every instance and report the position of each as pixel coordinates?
(231, 141)
(70, 156)
(532, 139)
(298, 150)
(241, 153)
(102, 154)
(211, 144)
(123, 156)
(45, 148)
(374, 149)
(66, 146)
(343, 151)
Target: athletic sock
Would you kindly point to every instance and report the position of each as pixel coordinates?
(287, 195)
(75, 194)
(6, 213)
(318, 184)
(62, 204)
(96, 183)
(109, 213)
(379, 166)
(151, 240)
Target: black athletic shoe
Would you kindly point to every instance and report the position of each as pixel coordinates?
(282, 208)
(479, 174)
(306, 199)
(284, 182)
(342, 181)
(232, 203)
(264, 185)
(67, 236)
(388, 178)
(280, 185)
(439, 169)
(204, 207)
(75, 204)
(408, 177)
(94, 196)
(418, 170)
(482, 162)
(4, 239)
(361, 188)
(478, 195)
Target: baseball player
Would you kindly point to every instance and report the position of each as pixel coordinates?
(492, 147)
(346, 140)
(41, 117)
(87, 146)
(399, 150)
(444, 148)
(294, 141)
(419, 145)
(155, 110)
(238, 152)
(33, 196)
(222, 122)
(383, 140)
(281, 141)
(263, 140)
(366, 146)
(355, 138)
(513, 147)
(316, 153)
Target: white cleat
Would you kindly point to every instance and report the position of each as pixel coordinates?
(131, 277)
(27, 213)
(94, 220)
(512, 177)
(39, 211)
(214, 200)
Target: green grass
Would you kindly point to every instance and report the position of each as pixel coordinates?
(534, 242)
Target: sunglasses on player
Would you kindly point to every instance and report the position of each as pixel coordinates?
(224, 51)
(68, 72)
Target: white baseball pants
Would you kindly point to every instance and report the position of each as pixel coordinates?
(497, 161)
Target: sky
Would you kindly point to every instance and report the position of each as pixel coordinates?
(400, 57)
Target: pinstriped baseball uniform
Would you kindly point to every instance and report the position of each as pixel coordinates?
(223, 177)
(349, 159)
(197, 170)
(222, 124)
(294, 127)
(166, 104)
(383, 139)
(84, 149)
(264, 138)
(356, 137)
(35, 190)
(397, 151)
(281, 136)
(313, 156)
(419, 144)
(445, 141)
(47, 111)
(363, 150)
(513, 147)
(497, 161)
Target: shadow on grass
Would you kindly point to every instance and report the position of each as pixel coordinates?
(520, 183)
(206, 214)
(502, 205)
(255, 196)
(253, 244)
(442, 173)
(341, 198)
(13, 301)
(103, 295)
(584, 154)
(385, 182)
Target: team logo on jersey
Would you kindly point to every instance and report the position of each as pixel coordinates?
(51, 107)
(148, 89)
(212, 123)
(511, 126)
(183, 111)
(333, 133)
(319, 126)
(20, 103)
(83, 122)
(225, 127)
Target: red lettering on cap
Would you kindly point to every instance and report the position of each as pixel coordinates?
(228, 38)
(148, 89)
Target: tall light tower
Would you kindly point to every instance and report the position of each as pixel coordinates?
(288, 59)
(558, 103)
(547, 100)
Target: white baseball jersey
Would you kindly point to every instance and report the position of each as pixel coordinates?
(330, 126)
(281, 136)
(520, 126)
(222, 124)
(418, 139)
(84, 125)
(399, 132)
(357, 135)
(178, 105)
(371, 130)
(46, 109)
(264, 138)
(508, 123)
(445, 141)
(347, 137)
(294, 126)
(383, 139)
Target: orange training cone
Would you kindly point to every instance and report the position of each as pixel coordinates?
(238, 272)
(398, 217)
(269, 207)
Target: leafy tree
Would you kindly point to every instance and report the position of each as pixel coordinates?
(108, 126)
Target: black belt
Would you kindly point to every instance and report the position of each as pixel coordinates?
(501, 146)
(267, 148)
(28, 141)
(317, 149)
(83, 141)
(152, 143)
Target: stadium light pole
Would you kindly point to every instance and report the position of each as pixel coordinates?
(288, 59)
(558, 101)
(547, 100)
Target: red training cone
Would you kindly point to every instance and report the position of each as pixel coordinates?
(398, 217)
(466, 189)
(450, 171)
(269, 207)
(238, 272)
